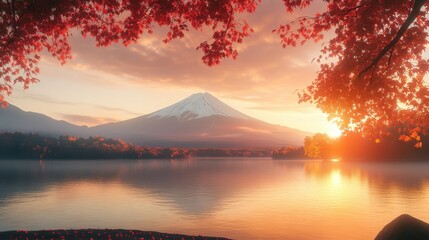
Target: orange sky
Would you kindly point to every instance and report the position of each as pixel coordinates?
(101, 85)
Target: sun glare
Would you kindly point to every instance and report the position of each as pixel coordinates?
(336, 177)
(334, 131)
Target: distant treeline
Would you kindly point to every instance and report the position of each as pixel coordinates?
(289, 153)
(353, 146)
(35, 146)
(31, 146)
(215, 152)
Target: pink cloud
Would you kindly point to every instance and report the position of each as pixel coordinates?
(264, 74)
(86, 120)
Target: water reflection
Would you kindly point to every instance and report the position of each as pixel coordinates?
(407, 177)
(193, 186)
(237, 198)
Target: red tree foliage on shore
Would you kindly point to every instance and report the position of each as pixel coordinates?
(371, 71)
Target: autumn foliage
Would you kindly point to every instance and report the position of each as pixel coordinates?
(35, 146)
(289, 153)
(29, 26)
(372, 63)
(372, 70)
(353, 146)
(319, 146)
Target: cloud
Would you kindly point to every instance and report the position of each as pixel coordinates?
(86, 120)
(46, 99)
(264, 73)
(115, 109)
(279, 107)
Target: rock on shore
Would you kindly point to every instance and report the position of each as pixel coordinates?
(404, 227)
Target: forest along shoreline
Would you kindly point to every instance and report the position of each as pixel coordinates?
(89, 234)
(35, 146)
(350, 147)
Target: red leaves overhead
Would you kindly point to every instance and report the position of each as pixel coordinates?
(27, 27)
(371, 71)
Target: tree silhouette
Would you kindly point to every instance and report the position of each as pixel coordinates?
(372, 69)
(319, 146)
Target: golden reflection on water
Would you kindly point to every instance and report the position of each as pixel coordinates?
(236, 198)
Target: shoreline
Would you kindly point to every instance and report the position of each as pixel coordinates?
(92, 234)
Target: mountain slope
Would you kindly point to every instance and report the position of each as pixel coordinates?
(13, 119)
(201, 120)
(197, 106)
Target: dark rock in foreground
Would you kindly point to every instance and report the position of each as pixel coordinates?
(93, 234)
(404, 227)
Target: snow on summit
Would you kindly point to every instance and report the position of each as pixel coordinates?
(197, 106)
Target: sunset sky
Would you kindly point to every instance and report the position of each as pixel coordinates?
(101, 85)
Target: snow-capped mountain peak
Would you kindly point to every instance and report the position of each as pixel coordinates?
(197, 106)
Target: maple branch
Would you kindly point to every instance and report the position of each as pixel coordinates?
(314, 19)
(390, 57)
(347, 11)
(146, 15)
(418, 4)
(14, 32)
(229, 20)
(303, 18)
(13, 12)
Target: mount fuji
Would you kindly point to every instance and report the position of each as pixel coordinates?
(197, 106)
(201, 120)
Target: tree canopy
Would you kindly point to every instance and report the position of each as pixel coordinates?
(319, 146)
(372, 62)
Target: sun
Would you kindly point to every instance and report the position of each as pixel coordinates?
(333, 131)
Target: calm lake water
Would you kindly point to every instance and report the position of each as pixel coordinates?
(235, 198)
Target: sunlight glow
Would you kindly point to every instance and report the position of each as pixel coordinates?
(336, 177)
(334, 131)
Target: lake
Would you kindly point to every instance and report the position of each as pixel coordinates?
(235, 198)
